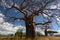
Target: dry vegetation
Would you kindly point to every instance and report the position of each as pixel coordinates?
(37, 38)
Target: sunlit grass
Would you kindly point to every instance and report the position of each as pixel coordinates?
(36, 38)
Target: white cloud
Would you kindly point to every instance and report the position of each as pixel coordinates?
(1, 18)
(59, 6)
(3, 0)
(45, 15)
(16, 5)
(53, 7)
(7, 28)
(1, 15)
(40, 30)
(58, 19)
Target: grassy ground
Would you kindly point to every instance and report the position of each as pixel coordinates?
(37, 38)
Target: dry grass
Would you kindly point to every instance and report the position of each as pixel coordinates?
(37, 38)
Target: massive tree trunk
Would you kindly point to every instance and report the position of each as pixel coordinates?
(30, 32)
(30, 29)
(46, 34)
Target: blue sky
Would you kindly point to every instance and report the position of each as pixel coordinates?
(13, 12)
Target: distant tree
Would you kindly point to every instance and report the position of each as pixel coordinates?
(19, 33)
(45, 27)
(51, 32)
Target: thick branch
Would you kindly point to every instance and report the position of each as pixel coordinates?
(35, 13)
(43, 23)
(20, 9)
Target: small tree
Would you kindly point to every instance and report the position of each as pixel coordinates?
(19, 33)
(51, 32)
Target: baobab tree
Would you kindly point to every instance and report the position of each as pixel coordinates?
(30, 9)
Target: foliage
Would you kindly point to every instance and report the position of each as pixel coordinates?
(19, 33)
(52, 31)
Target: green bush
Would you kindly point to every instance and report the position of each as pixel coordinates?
(19, 33)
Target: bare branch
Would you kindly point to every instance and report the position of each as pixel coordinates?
(53, 18)
(56, 21)
(48, 2)
(43, 23)
(14, 18)
(36, 12)
(22, 2)
(17, 18)
(21, 9)
(52, 9)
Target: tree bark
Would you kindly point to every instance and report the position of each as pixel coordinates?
(46, 34)
(30, 29)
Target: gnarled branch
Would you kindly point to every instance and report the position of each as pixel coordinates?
(43, 23)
